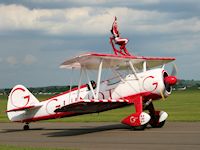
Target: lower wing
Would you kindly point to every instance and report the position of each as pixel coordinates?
(93, 106)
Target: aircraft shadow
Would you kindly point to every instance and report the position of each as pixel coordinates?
(73, 131)
(87, 130)
(19, 130)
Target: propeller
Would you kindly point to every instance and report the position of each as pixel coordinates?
(174, 70)
(169, 80)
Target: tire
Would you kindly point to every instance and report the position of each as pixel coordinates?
(157, 125)
(26, 127)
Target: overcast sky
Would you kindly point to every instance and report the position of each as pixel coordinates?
(36, 36)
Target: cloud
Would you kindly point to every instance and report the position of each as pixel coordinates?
(92, 21)
(174, 26)
(11, 60)
(72, 3)
(43, 33)
(29, 59)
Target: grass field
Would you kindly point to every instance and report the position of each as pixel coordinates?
(181, 106)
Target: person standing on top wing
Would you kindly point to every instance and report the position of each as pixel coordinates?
(118, 40)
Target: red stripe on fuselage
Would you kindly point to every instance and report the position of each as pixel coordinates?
(66, 92)
(145, 95)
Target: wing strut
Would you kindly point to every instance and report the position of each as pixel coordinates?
(133, 69)
(70, 88)
(117, 74)
(99, 78)
(144, 66)
(90, 85)
(79, 84)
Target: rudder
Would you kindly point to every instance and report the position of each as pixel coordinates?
(20, 97)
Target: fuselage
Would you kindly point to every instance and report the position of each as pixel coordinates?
(148, 84)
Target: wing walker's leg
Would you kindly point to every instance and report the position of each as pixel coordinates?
(123, 51)
(123, 48)
(139, 119)
(114, 49)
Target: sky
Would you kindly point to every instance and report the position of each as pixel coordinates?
(36, 36)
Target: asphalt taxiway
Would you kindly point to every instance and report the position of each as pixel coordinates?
(102, 136)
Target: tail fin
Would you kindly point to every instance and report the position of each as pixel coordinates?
(20, 98)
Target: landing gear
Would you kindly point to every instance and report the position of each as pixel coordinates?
(157, 124)
(158, 118)
(26, 126)
(139, 119)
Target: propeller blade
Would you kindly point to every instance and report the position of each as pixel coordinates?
(174, 70)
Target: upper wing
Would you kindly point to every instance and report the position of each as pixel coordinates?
(92, 61)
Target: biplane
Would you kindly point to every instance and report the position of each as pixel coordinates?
(144, 80)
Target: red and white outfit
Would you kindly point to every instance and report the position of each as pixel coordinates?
(115, 32)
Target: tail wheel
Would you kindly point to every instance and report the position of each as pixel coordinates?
(26, 126)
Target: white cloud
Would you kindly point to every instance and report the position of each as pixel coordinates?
(191, 25)
(29, 59)
(97, 2)
(11, 60)
(88, 20)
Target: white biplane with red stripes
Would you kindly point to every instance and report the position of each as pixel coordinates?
(144, 80)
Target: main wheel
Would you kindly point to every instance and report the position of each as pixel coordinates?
(156, 124)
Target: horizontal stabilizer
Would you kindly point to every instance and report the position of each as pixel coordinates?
(24, 108)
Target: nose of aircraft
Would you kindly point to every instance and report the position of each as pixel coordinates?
(170, 80)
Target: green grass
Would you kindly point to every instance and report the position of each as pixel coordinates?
(8, 147)
(3, 105)
(181, 106)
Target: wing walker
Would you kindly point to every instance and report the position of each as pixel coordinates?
(135, 80)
